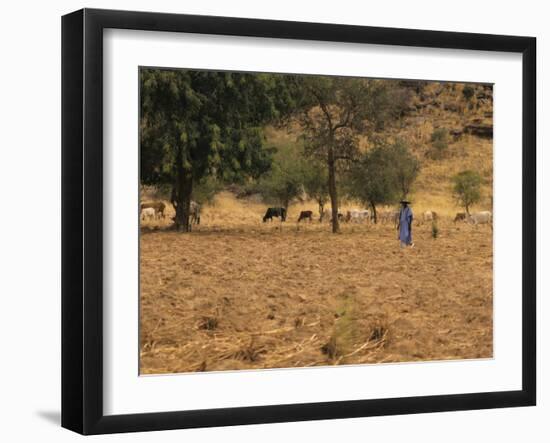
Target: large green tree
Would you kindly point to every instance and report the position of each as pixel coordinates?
(195, 124)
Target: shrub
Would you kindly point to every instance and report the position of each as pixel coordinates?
(435, 229)
(468, 92)
(440, 142)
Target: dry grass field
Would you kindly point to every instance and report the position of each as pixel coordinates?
(237, 293)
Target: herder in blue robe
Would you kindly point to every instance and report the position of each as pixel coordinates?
(404, 225)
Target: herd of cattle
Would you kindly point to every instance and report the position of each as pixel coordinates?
(367, 216)
(155, 210)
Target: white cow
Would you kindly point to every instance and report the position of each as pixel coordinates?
(148, 214)
(478, 218)
(358, 215)
(388, 216)
(327, 215)
(429, 216)
(195, 212)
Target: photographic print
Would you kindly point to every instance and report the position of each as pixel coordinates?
(291, 221)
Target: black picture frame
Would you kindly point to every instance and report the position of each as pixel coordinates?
(82, 219)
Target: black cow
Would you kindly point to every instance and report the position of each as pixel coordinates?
(304, 215)
(275, 212)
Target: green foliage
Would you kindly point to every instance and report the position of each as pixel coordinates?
(285, 180)
(315, 181)
(468, 92)
(205, 189)
(383, 175)
(213, 120)
(467, 188)
(372, 179)
(440, 142)
(334, 111)
(195, 124)
(406, 167)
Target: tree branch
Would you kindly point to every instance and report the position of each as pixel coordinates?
(323, 107)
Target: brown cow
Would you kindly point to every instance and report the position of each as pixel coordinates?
(304, 215)
(460, 216)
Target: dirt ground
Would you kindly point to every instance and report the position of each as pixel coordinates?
(237, 293)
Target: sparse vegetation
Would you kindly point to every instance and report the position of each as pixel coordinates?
(468, 92)
(435, 229)
(208, 323)
(439, 143)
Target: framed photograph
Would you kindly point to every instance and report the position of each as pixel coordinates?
(269, 221)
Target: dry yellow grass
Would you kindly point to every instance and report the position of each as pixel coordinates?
(241, 294)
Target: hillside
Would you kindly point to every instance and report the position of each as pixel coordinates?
(432, 106)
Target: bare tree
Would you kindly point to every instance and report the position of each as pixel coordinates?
(335, 111)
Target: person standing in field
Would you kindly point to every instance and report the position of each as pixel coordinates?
(404, 225)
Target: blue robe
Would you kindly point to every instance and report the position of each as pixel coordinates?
(405, 225)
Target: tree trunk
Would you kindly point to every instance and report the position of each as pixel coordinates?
(374, 214)
(332, 191)
(181, 199)
(286, 202)
(321, 209)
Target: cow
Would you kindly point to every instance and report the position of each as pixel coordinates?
(275, 212)
(195, 212)
(429, 216)
(327, 215)
(305, 215)
(147, 213)
(460, 216)
(389, 216)
(478, 218)
(157, 206)
(358, 216)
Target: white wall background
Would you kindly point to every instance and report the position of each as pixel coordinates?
(30, 93)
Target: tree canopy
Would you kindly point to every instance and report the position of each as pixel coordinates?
(195, 124)
(334, 111)
(467, 188)
(383, 175)
(284, 181)
(200, 129)
(316, 183)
